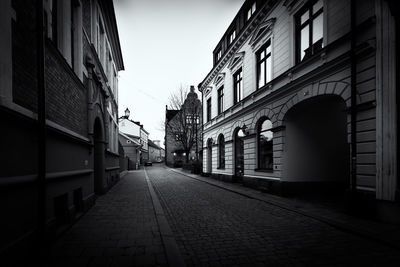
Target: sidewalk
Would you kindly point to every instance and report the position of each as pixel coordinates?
(388, 234)
(122, 229)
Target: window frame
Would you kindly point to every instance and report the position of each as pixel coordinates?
(238, 81)
(208, 108)
(251, 10)
(220, 99)
(259, 128)
(259, 61)
(218, 55)
(308, 8)
(232, 36)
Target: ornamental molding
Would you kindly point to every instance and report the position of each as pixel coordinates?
(236, 59)
(263, 30)
(219, 78)
(207, 90)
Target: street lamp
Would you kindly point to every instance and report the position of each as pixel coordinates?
(127, 113)
(242, 131)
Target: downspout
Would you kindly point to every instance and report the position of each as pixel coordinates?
(353, 109)
(202, 124)
(41, 127)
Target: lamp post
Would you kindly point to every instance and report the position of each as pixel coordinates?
(126, 116)
(127, 113)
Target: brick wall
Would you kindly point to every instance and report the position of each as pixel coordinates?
(24, 54)
(66, 97)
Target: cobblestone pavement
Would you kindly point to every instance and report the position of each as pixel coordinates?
(216, 227)
(120, 230)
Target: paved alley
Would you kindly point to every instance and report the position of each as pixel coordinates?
(215, 227)
(210, 226)
(120, 230)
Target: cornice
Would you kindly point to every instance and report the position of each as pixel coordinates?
(231, 51)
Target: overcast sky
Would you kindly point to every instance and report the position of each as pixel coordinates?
(166, 44)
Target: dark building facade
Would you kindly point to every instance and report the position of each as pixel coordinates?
(82, 57)
(183, 131)
(302, 95)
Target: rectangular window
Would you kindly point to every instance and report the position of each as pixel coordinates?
(232, 36)
(238, 86)
(309, 30)
(192, 119)
(251, 11)
(218, 55)
(264, 65)
(220, 100)
(209, 109)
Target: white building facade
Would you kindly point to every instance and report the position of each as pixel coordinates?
(295, 98)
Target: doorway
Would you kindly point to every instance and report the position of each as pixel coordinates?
(316, 148)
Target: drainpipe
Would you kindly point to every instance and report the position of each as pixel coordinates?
(353, 109)
(41, 126)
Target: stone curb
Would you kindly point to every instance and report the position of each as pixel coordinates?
(174, 255)
(345, 227)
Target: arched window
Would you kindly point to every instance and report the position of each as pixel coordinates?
(221, 151)
(265, 135)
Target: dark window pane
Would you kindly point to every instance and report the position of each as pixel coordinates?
(265, 152)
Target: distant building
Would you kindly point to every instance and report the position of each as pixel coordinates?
(300, 98)
(136, 131)
(82, 58)
(183, 131)
(155, 152)
(131, 147)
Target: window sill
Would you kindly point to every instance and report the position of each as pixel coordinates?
(221, 168)
(264, 170)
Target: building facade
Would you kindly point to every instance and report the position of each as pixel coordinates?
(136, 131)
(302, 96)
(156, 153)
(76, 88)
(131, 150)
(183, 131)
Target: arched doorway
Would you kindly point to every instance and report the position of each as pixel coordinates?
(238, 155)
(316, 148)
(98, 138)
(209, 155)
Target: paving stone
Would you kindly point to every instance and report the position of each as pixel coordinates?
(120, 230)
(213, 226)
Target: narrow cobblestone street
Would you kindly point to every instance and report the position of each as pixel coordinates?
(215, 227)
(211, 226)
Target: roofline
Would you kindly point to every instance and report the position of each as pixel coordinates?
(251, 21)
(127, 137)
(111, 25)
